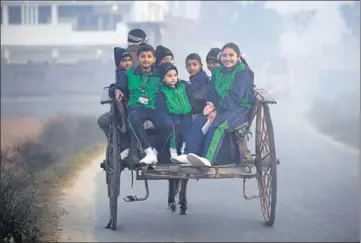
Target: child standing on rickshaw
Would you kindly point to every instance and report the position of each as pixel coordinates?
(229, 101)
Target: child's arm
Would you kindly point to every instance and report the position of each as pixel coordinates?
(197, 104)
(121, 83)
(188, 90)
(233, 99)
(211, 94)
(160, 102)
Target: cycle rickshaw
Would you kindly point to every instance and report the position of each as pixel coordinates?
(260, 165)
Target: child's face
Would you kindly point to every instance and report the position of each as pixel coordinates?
(211, 65)
(167, 59)
(126, 63)
(146, 59)
(171, 78)
(193, 67)
(229, 57)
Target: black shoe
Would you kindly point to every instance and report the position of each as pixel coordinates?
(102, 165)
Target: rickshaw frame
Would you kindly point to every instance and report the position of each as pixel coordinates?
(262, 167)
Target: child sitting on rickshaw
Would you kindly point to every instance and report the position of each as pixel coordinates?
(199, 81)
(123, 61)
(141, 85)
(162, 55)
(212, 59)
(174, 99)
(229, 101)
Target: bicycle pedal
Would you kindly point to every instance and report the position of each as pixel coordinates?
(130, 198)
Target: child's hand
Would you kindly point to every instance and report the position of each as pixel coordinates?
(119, 95)
(212, 116)
(209, 108)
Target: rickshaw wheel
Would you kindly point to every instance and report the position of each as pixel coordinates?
(113, 171)
(266, 163)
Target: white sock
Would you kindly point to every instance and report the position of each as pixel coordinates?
(124, 154)
(150, 151)
(173, 152)
(183, 148)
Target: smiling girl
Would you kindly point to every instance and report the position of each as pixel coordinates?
(229, 103)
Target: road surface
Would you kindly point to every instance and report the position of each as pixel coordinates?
(318, 200)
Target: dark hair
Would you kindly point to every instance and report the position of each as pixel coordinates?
(161, 52)
(119, 54)
(194, 56)
(233, 46)
(145, 47)
(165, 67)
(213, 54)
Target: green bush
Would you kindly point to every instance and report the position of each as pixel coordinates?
(62, 136)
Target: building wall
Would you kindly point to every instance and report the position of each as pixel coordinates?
(55, 79)
(66, 47)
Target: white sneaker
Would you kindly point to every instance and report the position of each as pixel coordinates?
(150, 157)
(173, 153)
(198, 160)
(180, 159)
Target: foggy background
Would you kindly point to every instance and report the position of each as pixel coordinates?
(306, 53)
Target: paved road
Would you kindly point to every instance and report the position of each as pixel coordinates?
(318, 200)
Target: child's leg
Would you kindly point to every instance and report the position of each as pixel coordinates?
(173, 143)
(195, 137)
(124, 144)
(104, 122)
(165, 128)
(136, 119)
(185, 126)
(216, 132)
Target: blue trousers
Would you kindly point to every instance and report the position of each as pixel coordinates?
(182, 125)
(208, 145)
(162, 122)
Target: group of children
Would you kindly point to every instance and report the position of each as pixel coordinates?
(191, 117)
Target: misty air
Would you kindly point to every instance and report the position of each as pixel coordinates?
(169, 121)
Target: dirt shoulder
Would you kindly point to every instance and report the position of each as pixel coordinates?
(51, 183)
(74, 140)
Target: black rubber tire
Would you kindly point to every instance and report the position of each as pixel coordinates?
(115, 179)
(266, 181)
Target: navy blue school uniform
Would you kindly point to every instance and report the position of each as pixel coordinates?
(119, 73)
(197, 89)
(105, 119)
(233, 109)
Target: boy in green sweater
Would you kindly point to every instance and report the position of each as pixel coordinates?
(141, 86)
